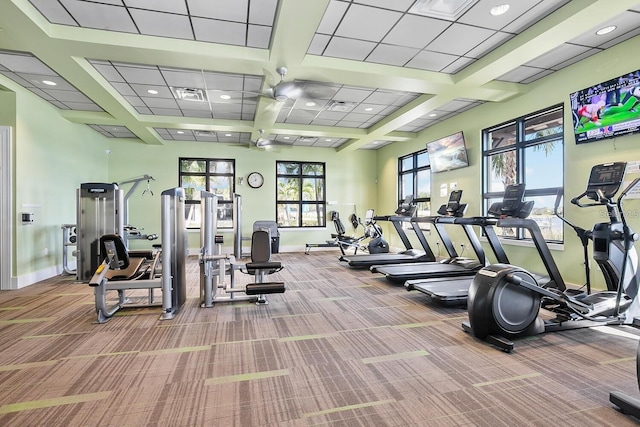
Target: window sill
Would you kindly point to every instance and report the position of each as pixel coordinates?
(525, 243)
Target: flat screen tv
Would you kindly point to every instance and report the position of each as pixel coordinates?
(608, 109)
(448, 153)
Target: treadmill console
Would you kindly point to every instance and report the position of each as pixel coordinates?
(605, 180)
(407, 207)
(453, 206)
(513, 204)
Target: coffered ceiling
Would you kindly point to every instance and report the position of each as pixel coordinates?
(345, 74)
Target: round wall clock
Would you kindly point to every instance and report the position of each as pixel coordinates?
(255, 180)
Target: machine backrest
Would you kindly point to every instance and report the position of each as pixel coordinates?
(260, 246)
(337, 222)
(113, 248)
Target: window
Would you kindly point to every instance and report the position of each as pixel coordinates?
(300, 199)
(214, 175)
(529, 150)
(414, 178)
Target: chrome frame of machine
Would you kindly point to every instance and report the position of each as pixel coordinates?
(172, 280)
(99, 211)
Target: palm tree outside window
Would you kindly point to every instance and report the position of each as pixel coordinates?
(300, 198)
(529, 150)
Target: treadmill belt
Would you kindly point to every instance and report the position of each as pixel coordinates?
(451, 292)
(401, 273)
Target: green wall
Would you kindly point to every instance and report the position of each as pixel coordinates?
(350, 183)
(52, 156)
(579, 159)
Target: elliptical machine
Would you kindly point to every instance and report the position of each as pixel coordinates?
(504, 300)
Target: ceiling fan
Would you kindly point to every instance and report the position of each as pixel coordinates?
(267, 144)
(284, 91)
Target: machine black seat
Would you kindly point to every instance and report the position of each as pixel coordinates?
(265, 288)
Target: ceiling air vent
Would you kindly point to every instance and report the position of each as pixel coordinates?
(206, 133)
(189, 94)
(444, 9)
(307, 139)
(341, 106)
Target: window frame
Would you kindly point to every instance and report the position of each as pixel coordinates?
(413, 172)
(301, 202)
(521, 144)
(223, 204)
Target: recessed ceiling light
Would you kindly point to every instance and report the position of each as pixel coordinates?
(606, 30)
(376, 142)
(180, 132)
(227, 134)
(368, 109)
(310, 104)
(432, 115)
(152, 91)
(286, 137)
(49, 83)
(328, 139)
(115, 129)
(225, 96)
(499, 10)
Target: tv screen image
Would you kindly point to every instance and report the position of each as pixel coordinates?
(608, 109)
(448, 153)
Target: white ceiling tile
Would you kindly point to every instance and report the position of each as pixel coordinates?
(60, 105)
(574, 59)
(391, 55)
(54, 12)
(621, 38)
(227, 115)
(142, 91)
(259, 36)
(167, 112)
(332, 16)
(318, 44)
(143, 110)
(459, 39)
(479, 14)
(183, 78)
(227, 10)
(458, 65)
(82, 106)
(533, 15)
(100, 16)
(262, 12)
(162, 24)
(538, 76)
(134, 101)
(557, 55)
(349, 48)
(124, 89)
(66, 95)
(219, 31)
(324, 122)
(25, 64)
(348, 94)
(382, 97)
(204, 114)
(494, 41)
(36, 81)
(367, 23)
(431, 61)
(190, 105)
(171, 6)
(141, 75)
(399, 5)
(42, 94)
(218, 81)
(108, 72)
(415, 31)
(519, 74)
(627, 21)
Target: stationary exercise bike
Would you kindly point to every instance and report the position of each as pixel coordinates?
(504, 300)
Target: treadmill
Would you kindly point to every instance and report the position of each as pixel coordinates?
(454, 266)
(403, 214)
(454, 291)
